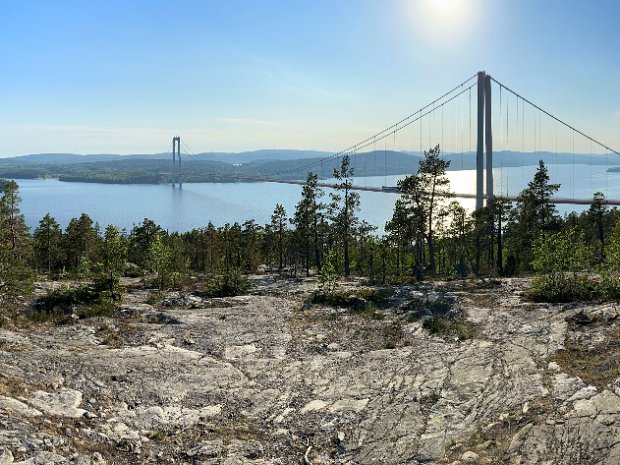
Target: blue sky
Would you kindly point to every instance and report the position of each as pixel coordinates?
(125, 76)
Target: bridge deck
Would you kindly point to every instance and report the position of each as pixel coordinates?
(394, 190)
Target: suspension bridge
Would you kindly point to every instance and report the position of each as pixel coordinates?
(482, 111)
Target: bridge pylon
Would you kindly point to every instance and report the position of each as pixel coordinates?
(484, 142)
(176, 169)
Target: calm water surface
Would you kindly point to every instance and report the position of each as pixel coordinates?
(197, 204)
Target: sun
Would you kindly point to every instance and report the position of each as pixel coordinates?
(446, 8)
(444, 21)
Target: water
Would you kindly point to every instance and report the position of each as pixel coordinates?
(197, 204)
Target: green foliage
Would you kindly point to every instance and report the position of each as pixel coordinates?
(422, 195)
(562, 287)
(613, 248)
(558, 258)
(85, 301)
(67, 296)
(278, 229)
(105, 305)
(561, 252)
(308, 220)
(574, 287)
(533, 215)
(360, 299)
(228, 284)
(48, 245)
(81, 245)
(608, 287)
(113, 259)
(159, 261)
(328, 276)
(345, 204)
(16, 277)
(449, 328)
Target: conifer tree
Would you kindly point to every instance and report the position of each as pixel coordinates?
(113, 257)
(343, 210)
(278, 229)
(422, 194)
(307, 219)
(48, 242)
(16, 277)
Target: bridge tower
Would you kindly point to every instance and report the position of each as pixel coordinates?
(176, 169)
(485, 141)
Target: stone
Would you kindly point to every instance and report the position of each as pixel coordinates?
(251, 449)
(207, 450)
(64, 403)
(314, 406)
(263, 379)
(16, 407)
(98, 459)
(470, 457)
(6, 457)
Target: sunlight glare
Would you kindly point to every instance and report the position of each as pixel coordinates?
(444, 21)
(447, 8)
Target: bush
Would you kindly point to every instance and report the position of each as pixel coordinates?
(65, 297)
(562, 287)
(574, 287)
(105, 305)
(449, 328)
(328, 276)
(357, 299)
(229, 284)
(85, 301)
(609, 287)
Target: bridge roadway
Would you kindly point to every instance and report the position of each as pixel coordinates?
(394, 190)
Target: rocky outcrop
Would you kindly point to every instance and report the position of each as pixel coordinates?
(266, 380)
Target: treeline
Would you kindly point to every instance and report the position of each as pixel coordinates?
(428, 236)
(158, 171)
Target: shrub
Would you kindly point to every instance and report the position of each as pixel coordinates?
(357, 300)
(609, 287)
(449, 328)
(86, 301)
(65, 297)
(328, 276)
(105, 305)
(572, 287)
(229, 284)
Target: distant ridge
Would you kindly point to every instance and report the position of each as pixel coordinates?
(233, 157)
(464, 160)
(259, 164)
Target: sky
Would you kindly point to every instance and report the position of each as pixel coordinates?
(126, 76)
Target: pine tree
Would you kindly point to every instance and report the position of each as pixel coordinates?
(307, 219)
(81, 242)
(140, 240)
(16, 277)
(596, 215)
(343, 210)
(159, 261)
(533, 215)
(278, 229)
(48, 242)
(422, 193)
(113, 257)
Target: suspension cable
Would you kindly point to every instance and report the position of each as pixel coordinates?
(557, 119)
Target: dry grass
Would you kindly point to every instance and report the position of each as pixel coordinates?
(598, 365)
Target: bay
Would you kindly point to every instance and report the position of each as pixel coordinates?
(195, 205)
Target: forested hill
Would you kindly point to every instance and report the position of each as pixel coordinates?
(222, 167)
(229, 157)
